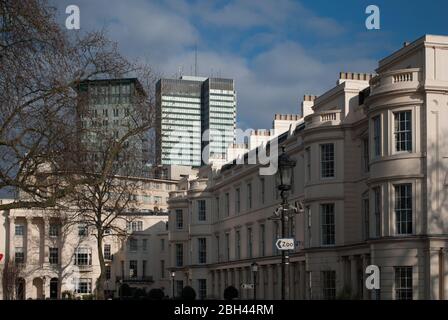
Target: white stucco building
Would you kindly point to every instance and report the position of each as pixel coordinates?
(371, 173)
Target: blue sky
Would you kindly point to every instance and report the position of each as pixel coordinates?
(276, 50)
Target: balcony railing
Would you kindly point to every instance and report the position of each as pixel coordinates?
(395, 80)
(332, 117)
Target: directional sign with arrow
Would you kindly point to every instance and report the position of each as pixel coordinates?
(285, 244)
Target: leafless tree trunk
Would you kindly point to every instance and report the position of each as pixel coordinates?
(10, 276)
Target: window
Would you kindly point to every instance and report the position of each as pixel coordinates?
(19, 256)
(227, 204)
(327, 160)
(83, 256)
(19, 229)
(202, 250)
(366, 217)
(227, 247)
(201, 210)
(329, 284)
(162, 269)
(237, 200)
(403, 283)
(365, 155)
(144, 263)
(133, 268)
(237, 244)
(179, 255)
(145, 244)
(108, 272)
(54, 230)
(179, 219)
(403, 208)
(403, 131)
(377, 136)
(133, 244)
(262, 190)
(262, 240)
(328, 224)
(116, 112)
(179, 287)
(135, 226)
(157, 199)
(308, 164)
(162, 244)
(249, 243)
(377, 210)
(217, 207)
(82, 230)
(107, 252)
(309, 219)
(83, 285)
(249, 196)
(202, 288)
(218, 248)
(53, 257)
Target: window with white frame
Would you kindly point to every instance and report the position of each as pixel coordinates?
(376, 136)
(227, 239)
(227, 203)
(19, 255)
(133, 244)
(83, 256)
(179, 255)
(19, 230)
(237, 244)
(403, 208)
(329, 284)
(327, 224)
(107, 252)
(144, 244)
(262, 190)
(179, 219)
(366, 217)
(83, 285)
(365, 155)
(135, 226)
(249, 243)
(237, 200)
(201, 210)
(403, 131)
(308, 218)
(53, 257)
(54, 230)
(217, 207)
(202, 288)
(133, 268)
(202, 250)
(108, 272)
(403, 283)
(377, 210)
(249, 196)
(262, 240)
(308, 164)
(327, 160)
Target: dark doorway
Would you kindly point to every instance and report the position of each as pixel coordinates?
(54, 288)
(20, 289)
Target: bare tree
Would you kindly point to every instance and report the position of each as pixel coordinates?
(41, 66)
(10, 277)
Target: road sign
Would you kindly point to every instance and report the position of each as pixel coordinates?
(285, 244)
(247, 286)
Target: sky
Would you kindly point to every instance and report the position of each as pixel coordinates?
(275, 50)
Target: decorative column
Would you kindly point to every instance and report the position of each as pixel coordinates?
(45, 241)
(28, 256)
(12, 226)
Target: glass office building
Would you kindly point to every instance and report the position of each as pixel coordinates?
(195, 114)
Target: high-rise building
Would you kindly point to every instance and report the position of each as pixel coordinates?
(194, 114)
(111, 114)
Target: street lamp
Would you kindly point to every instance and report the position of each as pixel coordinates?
(173, 274)
(254, 267)
(284, 181)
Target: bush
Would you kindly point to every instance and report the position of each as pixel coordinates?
(138, 293)
(230, 293)
(67, 295)
(88, 297)
(188, 293)
(125, 290)
(156, 294)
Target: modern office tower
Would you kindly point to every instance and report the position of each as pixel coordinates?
(111, 113)
(194, 114)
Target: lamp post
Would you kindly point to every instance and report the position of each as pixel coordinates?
(173, 274)
(254, 267)
(284, 181)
